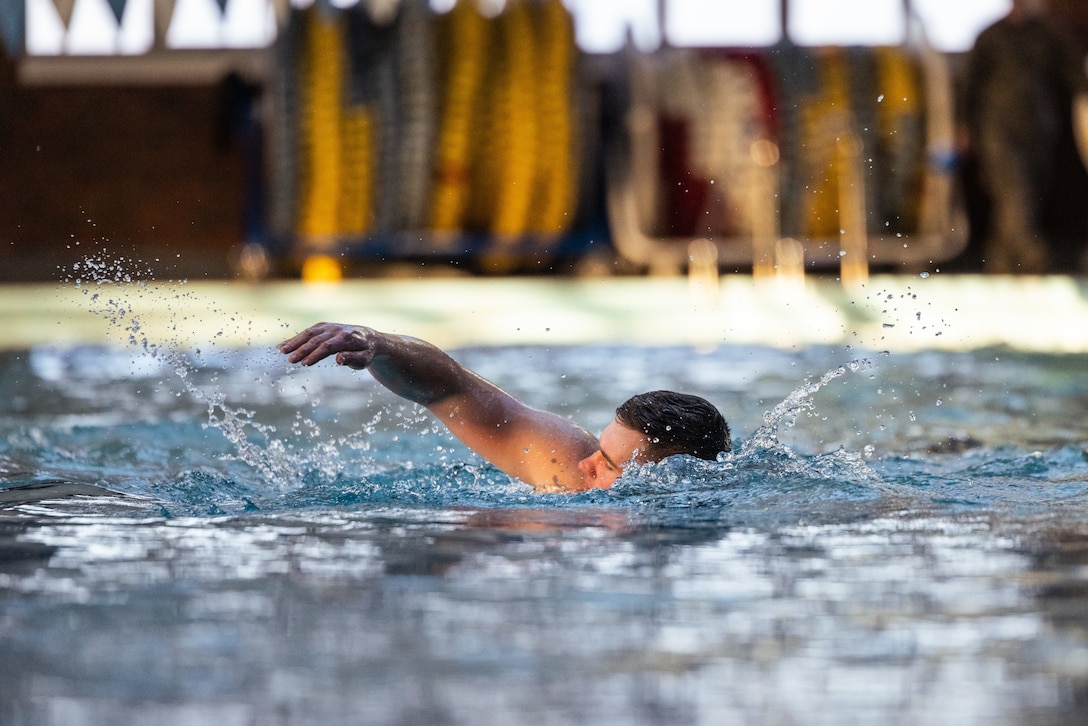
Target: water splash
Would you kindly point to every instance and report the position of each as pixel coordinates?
(300, 456)
(116, 286)
(799, 401)
(762, 480)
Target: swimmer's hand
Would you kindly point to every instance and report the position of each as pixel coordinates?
(353, 345)
(409, 367)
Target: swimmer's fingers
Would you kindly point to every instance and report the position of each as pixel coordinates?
(311, 350)
(325, 339)
(357, 359)
(302, 347)
(292, 344)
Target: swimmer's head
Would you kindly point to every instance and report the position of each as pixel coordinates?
(676, 423)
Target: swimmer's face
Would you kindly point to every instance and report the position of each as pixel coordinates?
(619, 447)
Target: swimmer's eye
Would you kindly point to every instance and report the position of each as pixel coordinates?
(612, 465)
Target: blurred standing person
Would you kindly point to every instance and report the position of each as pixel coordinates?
(1022, 77)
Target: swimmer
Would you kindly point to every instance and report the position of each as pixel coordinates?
(542, 449)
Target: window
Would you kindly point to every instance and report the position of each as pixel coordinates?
(847, 22)
(953, 26)
(602, 26)
(710, 23)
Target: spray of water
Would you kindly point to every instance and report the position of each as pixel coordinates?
(115, 286)
(800, 400)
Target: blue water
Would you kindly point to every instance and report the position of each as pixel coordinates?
(899, 538)
(238, 430)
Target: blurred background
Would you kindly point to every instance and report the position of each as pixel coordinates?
(272, 139)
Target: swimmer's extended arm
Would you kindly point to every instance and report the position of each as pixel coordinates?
(538, 447)
(409, 367)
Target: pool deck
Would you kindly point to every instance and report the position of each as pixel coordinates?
(901, 312)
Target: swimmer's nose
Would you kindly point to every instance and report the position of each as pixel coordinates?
(588, 466)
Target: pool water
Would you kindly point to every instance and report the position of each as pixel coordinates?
(211, 536)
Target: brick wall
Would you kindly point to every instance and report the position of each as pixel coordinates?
(143, 170)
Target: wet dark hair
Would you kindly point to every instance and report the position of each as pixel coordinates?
(676, 423)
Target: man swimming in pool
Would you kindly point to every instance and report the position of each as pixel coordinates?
(542, 449)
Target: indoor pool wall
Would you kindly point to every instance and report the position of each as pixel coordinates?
(192, 531)
(904, 312)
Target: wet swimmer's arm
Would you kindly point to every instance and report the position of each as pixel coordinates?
(538, 447)
(409, 367)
